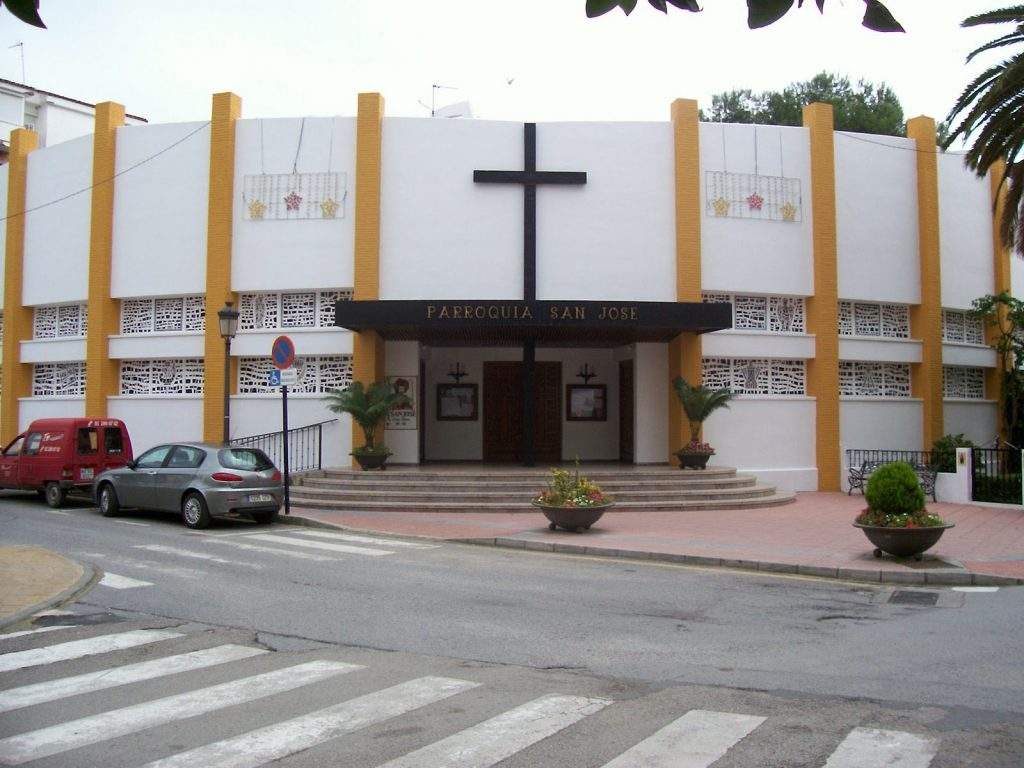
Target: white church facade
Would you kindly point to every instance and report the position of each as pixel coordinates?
(823, 276)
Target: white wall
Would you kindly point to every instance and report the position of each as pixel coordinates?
(52, 350)
(876, 218)
(160, 211)
(155, 420)
(463, 440)
(442, 235)
(259, 414)
(402, 358)
(880, 350)
(32, 408)
(283, 255)
(623, 216)
(772, 437)
(965, 229)
(62, 122)
(886, 424)
(57, 236)
(744, 255)
(977, 420)
(729, 343)
(651, 387)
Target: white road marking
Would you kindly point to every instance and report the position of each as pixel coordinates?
(58, 512)
(76, 649)
(282, 739)
(491, 741)
(364, 539)
(192, 572)
(130, 522)
(121, 722)
(320, 545)
(975, 589)
(695, 740)
(197, 555)
(114, 581)
(24, 632)
(275, 550)
(55, 612)
(90, 682)
(870, 748)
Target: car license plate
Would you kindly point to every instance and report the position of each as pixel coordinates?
(260, 498)
(86, 473)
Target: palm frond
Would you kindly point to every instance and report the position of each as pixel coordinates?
(1012, 14)
(1008, 39)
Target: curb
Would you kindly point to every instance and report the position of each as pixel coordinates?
(943, 578)
(308, 522)
(90, 575)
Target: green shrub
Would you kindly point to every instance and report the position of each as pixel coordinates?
(943, 454)
(893, 489)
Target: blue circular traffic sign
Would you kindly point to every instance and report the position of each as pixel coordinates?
(282, 353)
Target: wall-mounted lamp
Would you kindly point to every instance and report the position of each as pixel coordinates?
(586, 374)
(458, 372)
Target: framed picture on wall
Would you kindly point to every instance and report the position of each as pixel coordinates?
(457, 402)
(586, 402)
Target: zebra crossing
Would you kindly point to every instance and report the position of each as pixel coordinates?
(33, 725)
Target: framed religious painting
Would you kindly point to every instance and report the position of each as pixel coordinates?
(457, 402)
(586, 402)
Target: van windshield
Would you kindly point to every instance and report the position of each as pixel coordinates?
(247, 459)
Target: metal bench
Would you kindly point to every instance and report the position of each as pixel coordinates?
(858, 476)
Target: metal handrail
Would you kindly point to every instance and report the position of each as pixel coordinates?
(305, 445)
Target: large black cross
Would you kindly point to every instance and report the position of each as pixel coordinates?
(529, 177)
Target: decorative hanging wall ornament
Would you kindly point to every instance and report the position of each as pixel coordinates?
(329, 207)
(788, 211)
(256, 209)
(750, 196)
(721, 206)
(292, 200)
(755, 201)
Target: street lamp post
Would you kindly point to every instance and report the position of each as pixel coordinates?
(228, 319)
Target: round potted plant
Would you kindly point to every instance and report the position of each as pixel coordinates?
(698, 403)
(571, 501)
(896, 520)
(368, 406)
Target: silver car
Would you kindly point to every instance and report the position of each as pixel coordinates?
(199, 480)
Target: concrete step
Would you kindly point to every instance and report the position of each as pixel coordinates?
(512, 475)
(444, 495)
(381, 484)
(774, 499)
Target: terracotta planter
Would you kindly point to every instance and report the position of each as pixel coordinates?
(368, 461)
(693, 459)
(903, 542)
(575, 519)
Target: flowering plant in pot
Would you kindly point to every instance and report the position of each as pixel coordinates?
(367, 406)
(896, 520)
(571, 500)
(698, 403)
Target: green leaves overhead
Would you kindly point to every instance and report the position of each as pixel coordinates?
(760, 13)
(25, 10)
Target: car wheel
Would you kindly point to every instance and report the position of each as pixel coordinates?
(54, 495)
(109, 505)
(264, 518)
(194, 511)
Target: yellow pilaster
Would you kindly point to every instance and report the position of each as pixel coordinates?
(16, 377)
(101, 373)
(822, 307)
(1001, 264)
(227, 109)
(684, 352)
(926, 317)
(368, 347)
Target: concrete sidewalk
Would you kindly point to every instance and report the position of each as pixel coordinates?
(813, 536)
(33, 579)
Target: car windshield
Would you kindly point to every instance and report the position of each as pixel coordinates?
(248, 459)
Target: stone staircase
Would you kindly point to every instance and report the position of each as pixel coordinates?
(509, 489)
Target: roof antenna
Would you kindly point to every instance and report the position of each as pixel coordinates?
(434, 88)
(21, 47)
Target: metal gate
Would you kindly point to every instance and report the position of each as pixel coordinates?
(996, 475)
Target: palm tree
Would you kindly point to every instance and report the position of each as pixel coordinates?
(992, 107)
(367, 405)
(699, 403)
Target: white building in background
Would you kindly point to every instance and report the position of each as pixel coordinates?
(847, 263)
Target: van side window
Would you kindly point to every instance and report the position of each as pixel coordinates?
(32, 443)
(88, 440)
(112, 441)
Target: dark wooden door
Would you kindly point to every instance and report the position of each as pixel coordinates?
(626, 411)
(503, 411)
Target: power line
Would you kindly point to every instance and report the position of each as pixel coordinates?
(78, 192)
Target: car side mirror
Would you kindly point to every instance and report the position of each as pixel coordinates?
(131, 464)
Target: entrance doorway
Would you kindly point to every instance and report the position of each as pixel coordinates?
(626, 411)
(503, 411)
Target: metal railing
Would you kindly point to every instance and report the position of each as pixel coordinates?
(996, 475)
(305, 446)
(855, 457)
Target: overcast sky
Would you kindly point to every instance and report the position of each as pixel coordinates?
(523, 60)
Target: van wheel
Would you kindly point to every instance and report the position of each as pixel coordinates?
(194, 511)
(54, 495)
(109, 505)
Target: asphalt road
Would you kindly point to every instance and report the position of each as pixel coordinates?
(837, 672)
